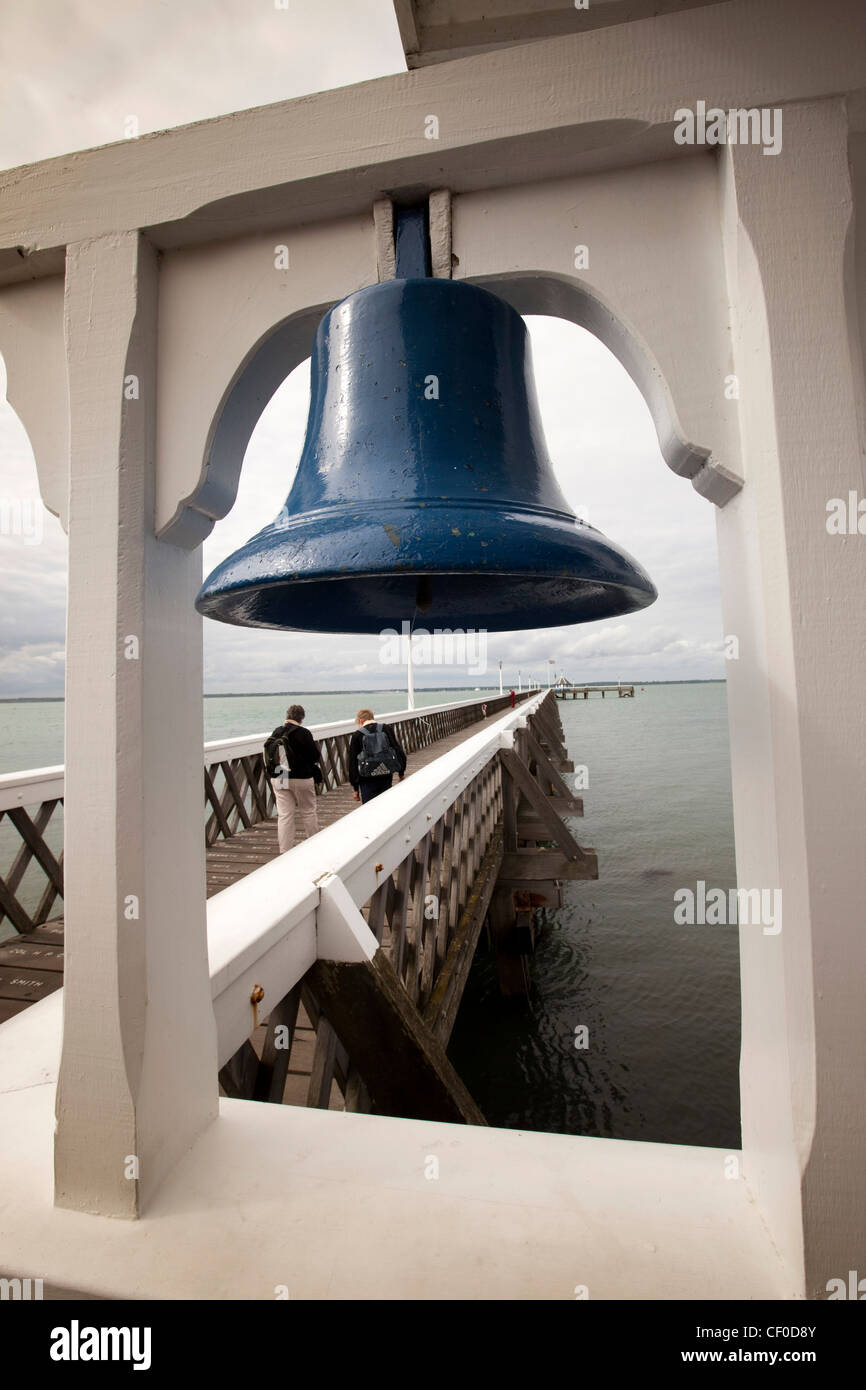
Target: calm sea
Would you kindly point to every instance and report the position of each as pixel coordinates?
(659, 1002)
(31, 732)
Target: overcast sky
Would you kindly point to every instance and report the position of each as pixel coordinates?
(72, 73)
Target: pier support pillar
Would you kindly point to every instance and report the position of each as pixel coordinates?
(138, 1074)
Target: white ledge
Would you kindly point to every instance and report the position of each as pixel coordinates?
(337, 1206)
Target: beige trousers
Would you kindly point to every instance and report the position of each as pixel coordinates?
(295, 796)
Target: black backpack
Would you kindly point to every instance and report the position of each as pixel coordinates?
(273, 765)
(274, 768)
(377, 757)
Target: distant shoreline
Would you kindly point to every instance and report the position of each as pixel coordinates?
(362, 690)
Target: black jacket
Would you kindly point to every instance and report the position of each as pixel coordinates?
(356, 743)
(301, 748)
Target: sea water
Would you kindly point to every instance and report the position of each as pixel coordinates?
(659, 1003)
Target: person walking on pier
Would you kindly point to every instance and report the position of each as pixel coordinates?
(374, 757)
(292, 764)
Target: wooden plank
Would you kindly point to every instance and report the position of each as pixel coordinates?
(254, 769)
(403, 1064)
(237, 794)
(32, 837)
(322, 1074)
(21, 953)
(22, 862)
(399, 913)
(529, 865)
(420, 974)
(49, 932)
(441, 1010)
(509, 813)
(216, 805)
(10, 1007)
(512, 970)
(357, 1095)
(378, 905)
(28, 984)
(270, 1081)
(49, 896)
(10, 906)
(238, 1076)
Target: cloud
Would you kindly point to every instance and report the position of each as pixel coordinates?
(74, 70)
(89, 64)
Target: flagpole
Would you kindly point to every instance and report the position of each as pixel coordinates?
(410, 678)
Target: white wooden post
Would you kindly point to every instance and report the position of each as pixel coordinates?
(138, 1075)
(793, 596)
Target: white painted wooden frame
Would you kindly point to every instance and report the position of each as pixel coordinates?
(754, 270)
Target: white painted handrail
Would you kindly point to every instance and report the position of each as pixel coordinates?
(30, 788)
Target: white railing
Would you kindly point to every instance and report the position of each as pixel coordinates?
(237, 795)
(219, 750)
(37, 784)
(263, 930)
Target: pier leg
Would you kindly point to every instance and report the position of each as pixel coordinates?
(138, 1072)
(512, 969)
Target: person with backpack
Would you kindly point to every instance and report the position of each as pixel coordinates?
(374, 757)
(292, 764)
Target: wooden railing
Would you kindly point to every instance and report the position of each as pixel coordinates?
(239, 794)
(425, 905)
(236, 791)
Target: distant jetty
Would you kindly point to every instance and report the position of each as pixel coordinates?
(566, 690)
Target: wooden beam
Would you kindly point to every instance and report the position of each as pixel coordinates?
(557, 785)
(270, 1081)
(567, 805)
(403, 1063)
(559, 831)
(238, 1076)
(441, 1011)
(512, 969)
(529, 865)
(550, 731)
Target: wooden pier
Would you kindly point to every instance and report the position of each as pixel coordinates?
(346, 1037)
(565, 690)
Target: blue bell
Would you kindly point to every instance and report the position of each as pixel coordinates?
(424, 484)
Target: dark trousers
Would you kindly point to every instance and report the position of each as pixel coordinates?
(374, 786)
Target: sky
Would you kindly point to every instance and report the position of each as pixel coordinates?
(73, 73)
